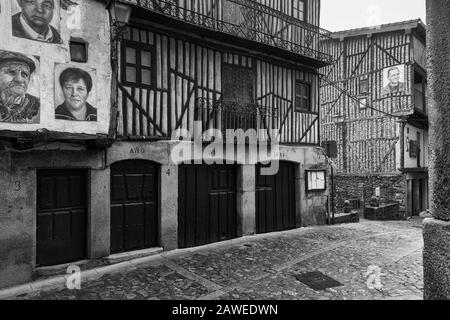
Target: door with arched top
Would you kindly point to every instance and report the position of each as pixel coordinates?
(134, 206)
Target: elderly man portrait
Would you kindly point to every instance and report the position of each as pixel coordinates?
(394, 85)
(33, 22)
(16, 105)
(76, 85)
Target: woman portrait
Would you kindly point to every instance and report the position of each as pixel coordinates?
(76, 86)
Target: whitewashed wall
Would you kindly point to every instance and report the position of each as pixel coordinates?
(94, 28)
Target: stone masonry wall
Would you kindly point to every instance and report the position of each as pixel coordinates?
(351, 187)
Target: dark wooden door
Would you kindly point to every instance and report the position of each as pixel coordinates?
(417, 198)
(275, 200)
(206, 204)
(61, 216)
(134, 206)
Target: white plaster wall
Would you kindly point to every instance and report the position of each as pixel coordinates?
(412, 162)
(94, 29)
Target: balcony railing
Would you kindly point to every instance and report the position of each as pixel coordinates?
(229, 115)
(249, 20)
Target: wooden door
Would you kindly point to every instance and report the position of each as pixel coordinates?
(61, 216)
(134, 206)
(207, 204)
(275, 200)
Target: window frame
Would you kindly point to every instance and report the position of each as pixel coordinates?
(85, 44)
(296, 95)
(413, 149)
(363, 103)
(361, 81)
(423, 75)
(296, 11)
(139, 47)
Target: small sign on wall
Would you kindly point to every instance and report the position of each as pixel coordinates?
(316, 180)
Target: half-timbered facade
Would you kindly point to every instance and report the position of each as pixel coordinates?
(222, 65)
(374, 105)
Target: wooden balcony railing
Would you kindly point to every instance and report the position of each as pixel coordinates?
(229, 115)
(249, 20)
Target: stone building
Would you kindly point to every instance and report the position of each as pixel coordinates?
(374, 107)
(436, 253)
(97, 170)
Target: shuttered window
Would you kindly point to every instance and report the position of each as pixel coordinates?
(137, 65)
(302, 96)
(363, 86)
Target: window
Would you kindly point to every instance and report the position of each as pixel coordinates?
(420, 91)
(78, 50)
(137, 65)
(363, 103)
(302, 96)
(316, 180)
(413, 148)
(364, 85)
(299, 9)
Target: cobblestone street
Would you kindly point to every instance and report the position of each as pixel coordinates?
(265, 267)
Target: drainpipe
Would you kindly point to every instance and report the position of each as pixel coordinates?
(332, 193)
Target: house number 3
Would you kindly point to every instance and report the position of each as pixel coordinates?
(18, 186)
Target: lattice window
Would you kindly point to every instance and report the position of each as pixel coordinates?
(364, 85)
(302, 96)
(299, 9)
(138, 65)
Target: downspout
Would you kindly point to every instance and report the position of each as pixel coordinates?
(332, 193)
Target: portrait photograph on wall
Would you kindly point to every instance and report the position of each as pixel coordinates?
(19, 88)
(36, 20)
(394, 80)
(75, 94)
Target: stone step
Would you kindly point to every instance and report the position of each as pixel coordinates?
(126, 256)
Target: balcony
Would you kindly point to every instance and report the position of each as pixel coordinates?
(230, 115)
(247, 20)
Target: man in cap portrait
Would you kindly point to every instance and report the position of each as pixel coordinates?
(33, 22)
(16, 105)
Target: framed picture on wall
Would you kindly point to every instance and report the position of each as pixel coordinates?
(394, 80)
(36, 20)
(75, 93)
(19, 88)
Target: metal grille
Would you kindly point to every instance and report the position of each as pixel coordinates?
(318, 281)
(252, 27)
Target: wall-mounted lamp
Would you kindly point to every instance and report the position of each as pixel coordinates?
(120, 15)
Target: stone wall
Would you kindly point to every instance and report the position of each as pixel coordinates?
(18, 205)
(349, 187)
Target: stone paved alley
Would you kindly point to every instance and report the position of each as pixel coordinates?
(265, 267)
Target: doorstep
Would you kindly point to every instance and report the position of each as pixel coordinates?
(58, 269)
(132, 255)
